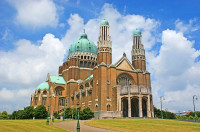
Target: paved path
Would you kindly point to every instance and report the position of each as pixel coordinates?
(71, 125)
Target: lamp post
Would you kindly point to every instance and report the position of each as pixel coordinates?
(161, 99)
(47, 123)
(78, 125)
(194, 105)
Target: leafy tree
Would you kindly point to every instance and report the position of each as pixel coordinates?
(20, 114)
(68, 113)
(1, 116)
(28, 112)
(56, 115)
(14, 115)
(40, 112)
(4, 115)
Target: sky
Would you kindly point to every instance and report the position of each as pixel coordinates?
(35, 36)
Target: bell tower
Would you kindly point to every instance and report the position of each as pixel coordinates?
(104, 44)
(138, 52)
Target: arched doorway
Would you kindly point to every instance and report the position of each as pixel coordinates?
(144, 106)
(134, 107)
(125, 107)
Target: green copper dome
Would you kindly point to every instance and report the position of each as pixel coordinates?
(43, 86)
(83, 45)
(137, 32)
(104, 22)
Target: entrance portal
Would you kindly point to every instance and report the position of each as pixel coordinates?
(134, 107)
(125, 107)
(144, 107)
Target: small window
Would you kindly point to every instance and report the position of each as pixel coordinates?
(81, 63)
(87, 85)
(89, 64)
(84, 57)
(85, 64)
(108, 107)
(43, 101)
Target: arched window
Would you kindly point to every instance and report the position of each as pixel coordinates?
(38, 91)
(81, 87)
(59, 91)
(45, 92)
(87, 84)
(108, 107)
(124, 80)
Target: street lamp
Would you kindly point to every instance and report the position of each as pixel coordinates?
(161, 99)
(194, 105)
(78, 125)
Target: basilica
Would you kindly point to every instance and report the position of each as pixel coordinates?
(88, 78)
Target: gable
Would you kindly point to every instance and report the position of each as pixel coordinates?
(124, 65)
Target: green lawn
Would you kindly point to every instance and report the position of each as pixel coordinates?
(152, 125)
(28, 126)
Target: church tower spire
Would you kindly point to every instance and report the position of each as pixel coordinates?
(138, 52)
(104, 44)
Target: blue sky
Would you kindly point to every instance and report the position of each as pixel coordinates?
(36, 34)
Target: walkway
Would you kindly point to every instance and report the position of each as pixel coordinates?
(71, 126)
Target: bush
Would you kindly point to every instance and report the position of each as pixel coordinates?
(86, 114)
(166, 114)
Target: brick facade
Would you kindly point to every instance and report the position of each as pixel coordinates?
(110, 90)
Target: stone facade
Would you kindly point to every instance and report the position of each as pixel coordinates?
(91, 80)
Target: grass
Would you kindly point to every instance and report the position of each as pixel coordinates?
(28, 126)
(141, 125)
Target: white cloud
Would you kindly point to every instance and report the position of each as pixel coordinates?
(175, 71)
(180, 26)
(121, 30)
(35, 13)
(29, 64)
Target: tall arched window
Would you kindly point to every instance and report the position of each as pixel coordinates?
(123, 81)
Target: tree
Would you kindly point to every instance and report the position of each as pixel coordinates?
(1, 116)
(56, 115)
(20, 114)
(40, 112)
(68, 113)
(28, 112)
(4, 115)
(14, 115)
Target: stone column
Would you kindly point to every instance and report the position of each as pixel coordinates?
(119, 100)
(129, 103)
(140, 107)
(148, 107)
